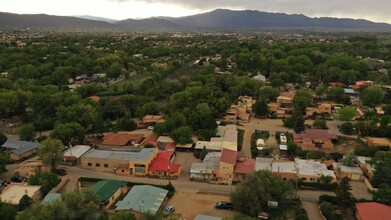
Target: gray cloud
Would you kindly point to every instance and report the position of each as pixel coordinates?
(377, 10)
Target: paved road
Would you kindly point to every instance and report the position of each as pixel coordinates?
(312, 210)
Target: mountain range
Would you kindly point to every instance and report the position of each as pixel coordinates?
(219, 19)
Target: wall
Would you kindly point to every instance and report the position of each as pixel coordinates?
(226, 172)
(110, 162)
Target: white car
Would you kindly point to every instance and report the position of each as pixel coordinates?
(150, 127)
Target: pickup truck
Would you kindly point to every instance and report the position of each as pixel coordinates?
(224, 205)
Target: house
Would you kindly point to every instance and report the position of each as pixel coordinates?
(337, 84)
(352, 172)
(206, 217)
(149, 120)
(20, 149)
(378, 142)
(108, 191)
(121, 139)
(162, 166)
(29, 167)
(119, 162)
(51, 198)
(227, 133)
(260, 77)
(379, 111)
(243, 168)
(215, 146)
(150, 139)
(15, 191)
(372, 210)
(227, 166)
(94, 98)
(142, 199)
(350, 92)
(240, 111)
(305, 170)
(162, 141)
(208, 169)
(324, 109)
(367, 168)
(74, 153)
(315, 139)
(283, 107)
(311, 171)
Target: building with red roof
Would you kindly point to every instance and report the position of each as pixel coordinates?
(372, 211)
(162, 166)
(227, 165)
(243, 168)
(315, 139)
(121, 139)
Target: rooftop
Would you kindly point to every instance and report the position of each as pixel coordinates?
(105, 189)
(51, 197)
(211, 162)
(216, 146)
(206, 217)
(373, 210)
(309, 167)
(348, 169)
(121, 139)
(226, 133)
(316, 134)
(20, 147)
(228, 156)
(245, 167)
(142, 156)
(143, 198)
(284, 167)
(165, 139)
(263, 163)
(77, 151)
(162, 162)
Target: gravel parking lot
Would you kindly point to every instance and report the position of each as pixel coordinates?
(190, 203)
(186, 159)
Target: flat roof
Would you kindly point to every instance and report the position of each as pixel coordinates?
(309, 167)
(226, 133)
(210, 162)
(216, 146)
(77, 151)
(284, 167)
(347, 169)
(141, 156)
(206, 217)
(263, 163)
(143, 198)
(15, 191)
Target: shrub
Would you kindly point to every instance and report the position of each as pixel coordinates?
(301, 214)
(347, 128)
(327, 198)
(322, 186)
(327, 210)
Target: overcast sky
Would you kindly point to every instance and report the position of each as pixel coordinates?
(375, 10)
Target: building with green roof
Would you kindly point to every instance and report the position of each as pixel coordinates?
(143, 199)
(108, 191)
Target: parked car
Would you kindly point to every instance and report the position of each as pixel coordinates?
(224, 205)
(17, 179)
(169, 209)
(150, 127)
(60, 172)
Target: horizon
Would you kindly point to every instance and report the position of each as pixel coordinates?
(141, 9)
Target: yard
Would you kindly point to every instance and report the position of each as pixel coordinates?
(185, 159)
(135, 80)
(189, 203)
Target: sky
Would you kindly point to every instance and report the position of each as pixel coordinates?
(374, 10)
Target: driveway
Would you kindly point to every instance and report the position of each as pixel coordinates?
(312, 210)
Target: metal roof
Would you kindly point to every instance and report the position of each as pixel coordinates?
(143, 198)
(141, 156)
(105, 189)
(20, 147)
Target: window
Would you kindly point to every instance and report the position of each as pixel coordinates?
(284, 179)
(106, 165)
(304, 178)
(89, 164)
(122, 171)
(97, 164)
(312, 179)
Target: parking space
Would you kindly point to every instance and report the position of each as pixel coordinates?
(190, 203)
(186, 159)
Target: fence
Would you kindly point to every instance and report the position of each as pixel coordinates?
(369, 185)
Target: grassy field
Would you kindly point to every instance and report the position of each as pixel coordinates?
(135, 80)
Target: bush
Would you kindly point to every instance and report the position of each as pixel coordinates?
(327, 210)
(301, 214)
(320, 124)
(347, 128)
(322, 186)
(327, 198)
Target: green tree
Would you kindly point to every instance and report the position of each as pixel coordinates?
(68, 132)
(320, 124)
(349, 160)
(260, 108)
(84, 114)
(182, 135)
(292, 147)
(268, 93)
(51, 152)
(301, 214)
(4, 160)
(328, 210)
(203, 153)
(123, 216)
(337, 94)
(24, 203)
(344, 199)
(372, 96)
(114, 70)
(347, 113)
(252, 195)
(347, 128)
(383, 194)
(3, 138)
(382, 163)
(302, 99)
(27, 133)
(296, 121)
(7, 211)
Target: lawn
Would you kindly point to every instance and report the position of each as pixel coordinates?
(135, 80)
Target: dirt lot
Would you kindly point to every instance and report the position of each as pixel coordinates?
(185, 159)
(190, 203)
